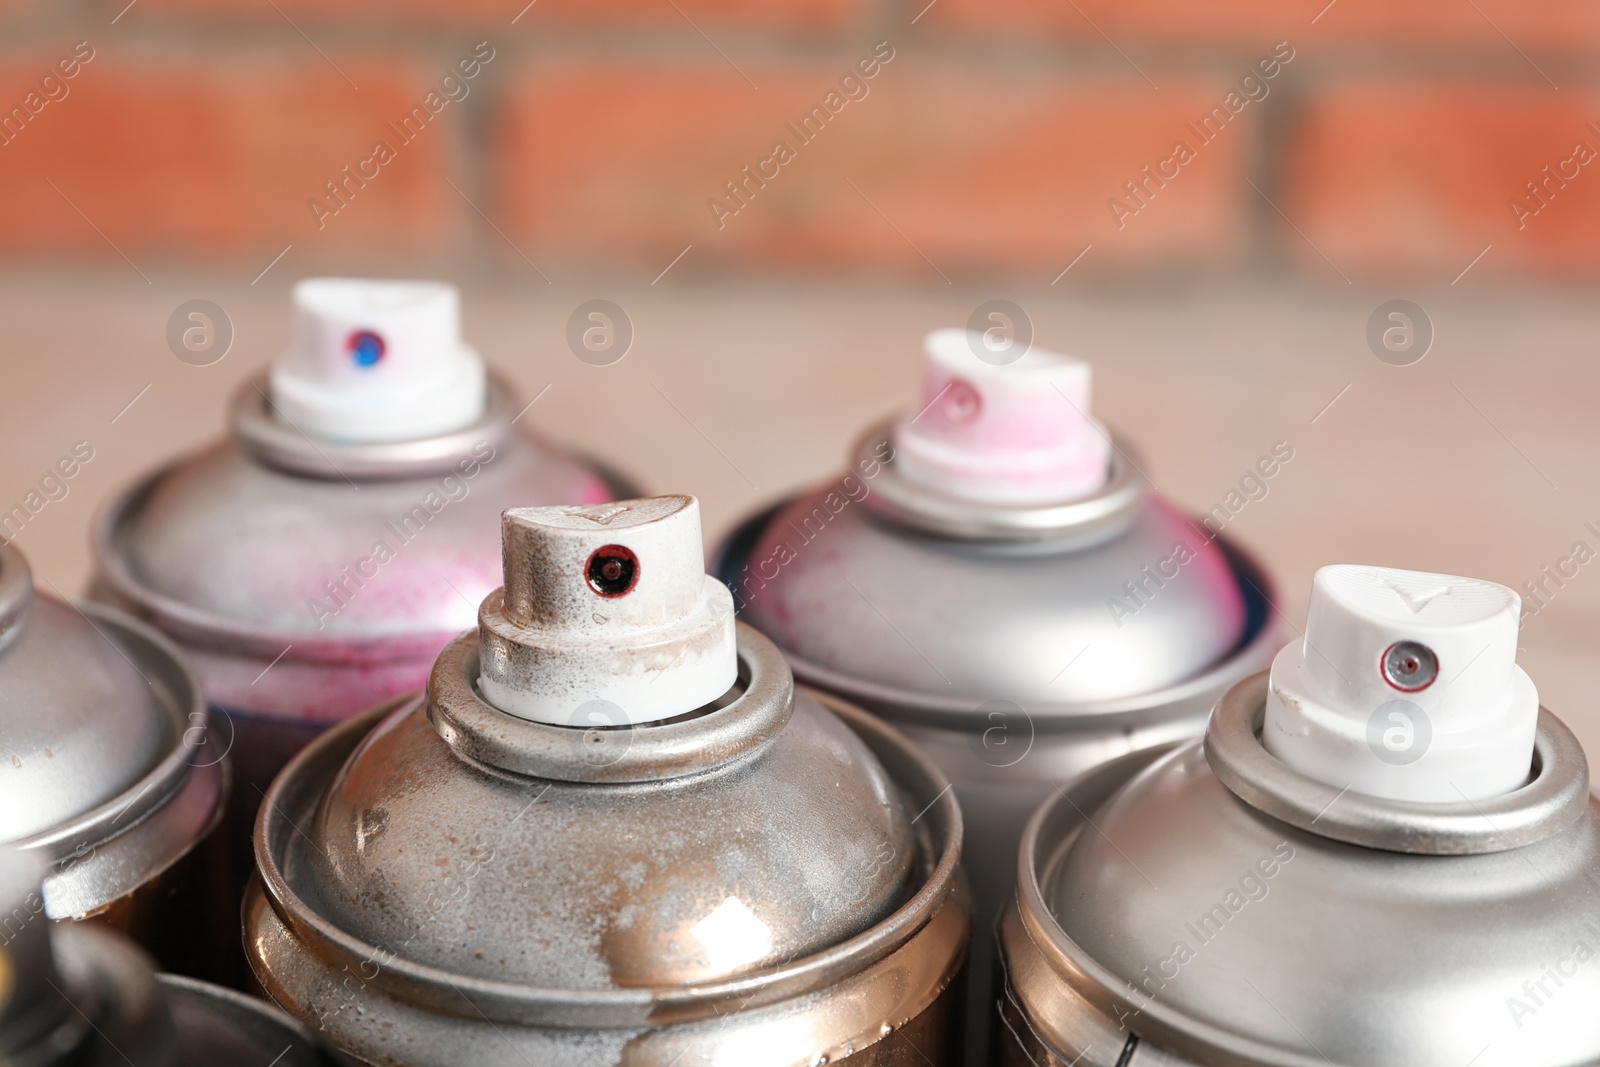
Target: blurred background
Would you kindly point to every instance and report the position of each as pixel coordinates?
(1214, 203)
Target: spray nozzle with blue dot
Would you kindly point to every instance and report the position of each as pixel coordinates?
(366, 348)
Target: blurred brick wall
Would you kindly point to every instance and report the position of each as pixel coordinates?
(1400, 138)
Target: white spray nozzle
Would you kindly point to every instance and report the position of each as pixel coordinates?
(1010, 434)
(377, 361)
(607, 616)
(1406, 687)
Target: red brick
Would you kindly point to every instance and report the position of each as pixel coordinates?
(972, 168)
(1389, 177)
(498, 14)
(1559, 24)
(217, 157)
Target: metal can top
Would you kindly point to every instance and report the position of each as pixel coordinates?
(349, 551)
(573, 879)
(918, 603)
(109, 771)
(564, 879)
(571, 833)
(1221, 895)
(998, 550)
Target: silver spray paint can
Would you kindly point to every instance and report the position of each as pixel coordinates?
(1383, 852)
(613, 832)
(992, 575)
(318, 558)
(81, 996)
(110, 777)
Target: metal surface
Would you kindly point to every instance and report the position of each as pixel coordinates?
(1080, 522)
(80, 996)
(986, 636)
(217, 1026)
(78, 724)
(932, 627)
(1162, 918)
(766, 882)
(254, 423)
(744, 721)
(1555, 796)
(110, 773)
(264, 551)
(306, 579)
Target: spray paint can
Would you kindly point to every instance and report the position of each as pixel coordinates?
(1384, 851)
(613, 832)
(992, 575)
(81, 996)
(111, 779)
(317, 559)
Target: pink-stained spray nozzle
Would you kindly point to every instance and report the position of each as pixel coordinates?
(1012, 434)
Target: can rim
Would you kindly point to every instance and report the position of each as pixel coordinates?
(278, 443)
(109, 851)
(232, 1006)
(1555, 795)
(295, 793)
(111, 993)
(16, 591)
(747, 720)
(1086, 521)
(1028, 929)
(1097, 998)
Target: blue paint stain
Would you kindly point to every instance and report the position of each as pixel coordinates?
(366, 348)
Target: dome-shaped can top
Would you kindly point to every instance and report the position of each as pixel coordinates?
(994, 574)
(81, 996)
(113, 776)
(319, 557)
(1223, 890)
(538, 867)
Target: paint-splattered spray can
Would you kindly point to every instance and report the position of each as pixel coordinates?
(993, 575)
(318, 558)
(81, 996)
(614, 833)
(110, 778)
(1384, 851)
